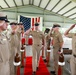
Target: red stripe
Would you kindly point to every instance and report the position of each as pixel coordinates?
(33, 23)
(35, 19)
(38, 19)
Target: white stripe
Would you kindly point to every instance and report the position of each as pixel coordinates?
(16, 64)
(48, 50)
(21, 50)
(61, 63)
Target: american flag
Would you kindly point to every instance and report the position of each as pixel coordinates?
(28, 22)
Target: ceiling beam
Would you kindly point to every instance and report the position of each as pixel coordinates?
(25, 6)
(68, 11)
(73, 18)
(56, 5)
(29, 2)
(1, 7)
(29, 12)
(15, 3)
(63, 7)
(22, 2)
(47, 4)
(71, 15)
(58, 22)
(32, 13)
(32, 2)
(39, 3)
(6, 3)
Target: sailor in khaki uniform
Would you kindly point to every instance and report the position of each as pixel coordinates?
(47, 42)
(57, 44)
(18, 32)
(73, 57)
(14, 46)
(4, 49)
(37, 36)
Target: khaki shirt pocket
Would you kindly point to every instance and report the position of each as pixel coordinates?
(2, 41)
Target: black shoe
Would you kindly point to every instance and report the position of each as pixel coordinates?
(45, 60)
(34, 73)
(53, 72)
(37, 68)
(22, 66)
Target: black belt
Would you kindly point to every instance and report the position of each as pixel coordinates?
(74, 55)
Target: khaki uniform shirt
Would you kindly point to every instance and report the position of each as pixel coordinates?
(4, 54)
(4, 50)
(14, 43)
(14, 40)
(73, 36)
(47, 39)
(19, 33)
(37, 37)
(57, 39)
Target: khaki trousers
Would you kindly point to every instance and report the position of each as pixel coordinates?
(73, 65)
(4, 68)
(45, 50)
(56, 59)
(36, 56)
(12, 67)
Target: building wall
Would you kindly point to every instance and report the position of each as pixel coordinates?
(49, 18)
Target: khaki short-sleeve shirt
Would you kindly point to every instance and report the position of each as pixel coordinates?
(4, 49)
(57, 39)
(37, 36)
(73, 36)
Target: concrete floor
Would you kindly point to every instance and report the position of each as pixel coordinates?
(29, 53)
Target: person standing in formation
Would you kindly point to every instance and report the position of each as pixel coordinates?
(4, 48)
(47, 42)
(13, 45)
(18, 31)
(73, 57)
(57, 45)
